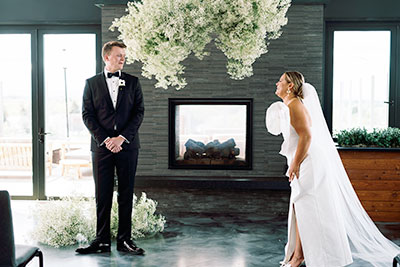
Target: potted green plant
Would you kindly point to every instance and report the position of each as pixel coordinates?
(372, 162)
(360, 137)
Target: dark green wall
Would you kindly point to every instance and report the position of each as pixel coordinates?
(362, 10)
(85, 11)
(49, 12)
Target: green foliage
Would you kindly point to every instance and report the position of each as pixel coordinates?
(69, 221)
(360, 137)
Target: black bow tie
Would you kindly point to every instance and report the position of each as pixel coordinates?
(116, 74)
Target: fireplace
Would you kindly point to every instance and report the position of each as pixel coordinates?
(213, 133)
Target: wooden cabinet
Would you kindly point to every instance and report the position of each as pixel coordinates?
(375, 175)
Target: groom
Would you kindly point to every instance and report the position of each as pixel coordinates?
(112, 110)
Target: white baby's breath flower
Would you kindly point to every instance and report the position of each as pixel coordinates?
(162, 34)
(69, 221)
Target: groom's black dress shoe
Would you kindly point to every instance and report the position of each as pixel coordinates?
(129, 246)
(95, 247)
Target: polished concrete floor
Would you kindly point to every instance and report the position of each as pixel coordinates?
(205, 228)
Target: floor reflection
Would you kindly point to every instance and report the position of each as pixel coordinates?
(205, 228)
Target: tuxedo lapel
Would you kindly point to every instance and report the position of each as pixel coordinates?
(121, 90)
(103, 88)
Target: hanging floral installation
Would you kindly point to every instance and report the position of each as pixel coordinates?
(163, 33)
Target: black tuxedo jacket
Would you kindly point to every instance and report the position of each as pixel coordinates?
(103, 120)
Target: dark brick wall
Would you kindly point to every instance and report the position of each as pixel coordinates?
(299, 48)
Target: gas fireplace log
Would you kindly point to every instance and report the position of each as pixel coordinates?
(225, 150)
(213, 150)
(228, 144)
(190, 154)
(192, 145)
(194, 150)
(212, 144)
(228, 149)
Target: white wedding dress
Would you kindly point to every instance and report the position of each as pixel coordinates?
(333, 226)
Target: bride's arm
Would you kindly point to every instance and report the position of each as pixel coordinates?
(300, 122)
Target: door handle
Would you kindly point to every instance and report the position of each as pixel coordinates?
(390, 102)
(41, 135)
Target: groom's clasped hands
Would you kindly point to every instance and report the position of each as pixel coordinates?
(114, 144)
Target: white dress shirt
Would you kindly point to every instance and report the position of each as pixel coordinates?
(113, 85)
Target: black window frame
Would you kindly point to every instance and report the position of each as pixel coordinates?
(394, 82)
(37, 32)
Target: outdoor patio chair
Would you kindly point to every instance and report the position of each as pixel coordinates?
(10, 254)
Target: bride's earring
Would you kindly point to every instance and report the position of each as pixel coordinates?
(288, 91)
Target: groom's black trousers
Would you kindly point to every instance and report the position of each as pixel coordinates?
(104, 164)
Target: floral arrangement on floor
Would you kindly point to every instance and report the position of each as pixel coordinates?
(360, 137)
(145, 222)
(161, 34)
(72, 220)
(60, 222)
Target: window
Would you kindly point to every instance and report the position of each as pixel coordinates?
(361, 65)
(361, 76)
(41, 131)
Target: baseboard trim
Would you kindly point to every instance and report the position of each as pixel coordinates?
(217, 182)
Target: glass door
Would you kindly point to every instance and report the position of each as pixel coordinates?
(44, 145)
(361, 79)
(362, 75)
(68, 60)
(16, 153)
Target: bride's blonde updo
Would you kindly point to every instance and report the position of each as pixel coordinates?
(297, 79)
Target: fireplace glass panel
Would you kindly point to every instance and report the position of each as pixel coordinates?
(210, 134)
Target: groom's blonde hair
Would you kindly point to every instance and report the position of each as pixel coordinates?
(297, 79)
(109, 45)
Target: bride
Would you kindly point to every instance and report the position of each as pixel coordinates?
(327, 225)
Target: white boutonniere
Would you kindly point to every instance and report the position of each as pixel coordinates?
(121, 82)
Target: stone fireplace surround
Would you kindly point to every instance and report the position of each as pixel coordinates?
(299, 48)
